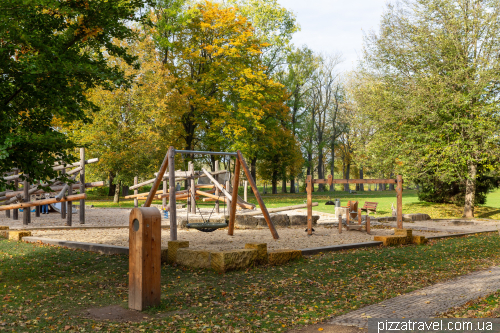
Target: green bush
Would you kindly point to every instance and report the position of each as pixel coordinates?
(441, 192)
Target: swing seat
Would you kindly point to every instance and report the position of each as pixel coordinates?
(206, 227)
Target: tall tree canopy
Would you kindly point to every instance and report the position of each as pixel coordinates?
(430, 80)
(51, 52)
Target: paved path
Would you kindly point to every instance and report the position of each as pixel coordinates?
(427, 302)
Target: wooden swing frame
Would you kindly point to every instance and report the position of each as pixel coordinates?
(169, 162)
(399, 194)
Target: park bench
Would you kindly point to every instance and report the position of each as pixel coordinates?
(370, 207)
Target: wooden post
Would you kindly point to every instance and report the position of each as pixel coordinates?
(7, 212)
(69, 206)
(26, 211)
(64, 205)
(340, 223)
(217, 209)
(144, 258)
(348, 217)
(171, 201)
(136, 191)
(37, 211)
(245, 191)
(193, 188)
(399, 197)
(15, 212)
(257, 196)
(359, 216)
(229, 189)
(164, 199)
(82, 185)
(368, 230)
(309, 204)
(232, 211)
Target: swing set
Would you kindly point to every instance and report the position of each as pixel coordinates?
(206, 225)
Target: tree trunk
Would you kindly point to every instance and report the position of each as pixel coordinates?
(292, 185)
(124, 190)
(117, 193)
(361, 186)
(321, 174)
(332, 167)
(346, 176)
(212, 159)
(112, 187)
(253, 169)
(391, 186)
(470, 190)
(274, 182)
(283, 184)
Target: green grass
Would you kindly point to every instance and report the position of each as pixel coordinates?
(46, 288)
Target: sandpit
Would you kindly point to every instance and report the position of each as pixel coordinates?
(290, 238)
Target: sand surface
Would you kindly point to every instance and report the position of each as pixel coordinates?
(294, 238)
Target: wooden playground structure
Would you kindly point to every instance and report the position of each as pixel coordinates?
(220, 192)
(11, 201)
(399, 200)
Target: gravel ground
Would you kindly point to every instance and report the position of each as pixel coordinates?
(295, 238)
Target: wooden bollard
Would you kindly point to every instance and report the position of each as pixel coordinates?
(144, 258)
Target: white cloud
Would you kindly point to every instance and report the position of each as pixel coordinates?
(331, 26)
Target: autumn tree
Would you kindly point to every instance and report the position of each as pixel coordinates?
(135, 122)
(432, 85)
(51, 53)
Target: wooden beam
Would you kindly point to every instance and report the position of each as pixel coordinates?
(257, 196)
(62, 167)
(192, 185)
(82, 185)
(15, 212)
(368, 230)
(232, 209)
(157, 181)
(309, 183)
(27, 197)
(217, 208)
(64, 189)
(280, 209)
(55, 189)
(171, 202)
(217, 184)
(399, 201)
(354, 181)
(43, 202)
(63, 204)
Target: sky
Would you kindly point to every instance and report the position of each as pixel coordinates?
(332, 26)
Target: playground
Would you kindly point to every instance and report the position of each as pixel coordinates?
(221, 220)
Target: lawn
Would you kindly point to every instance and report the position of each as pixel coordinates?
(411, 204)
(46, 288)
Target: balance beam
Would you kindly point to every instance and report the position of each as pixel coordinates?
(44, 202)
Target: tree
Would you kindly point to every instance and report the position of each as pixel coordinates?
(51, 52)
(274, 27)
(432, 86)
(324, 89)
(296, 78)
(135, 122)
